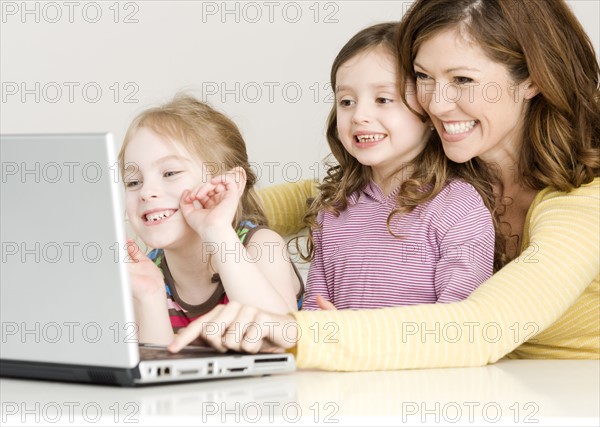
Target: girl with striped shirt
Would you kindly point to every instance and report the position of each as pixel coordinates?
(393, 224)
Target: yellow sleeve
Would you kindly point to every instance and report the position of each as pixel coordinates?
(528, 295)
(285, 205)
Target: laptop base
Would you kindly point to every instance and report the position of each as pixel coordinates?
(69, 373)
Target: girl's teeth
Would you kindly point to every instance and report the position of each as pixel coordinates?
(370, 138)
(459, 127)
(159, 215)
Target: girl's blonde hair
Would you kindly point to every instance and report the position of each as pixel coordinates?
(209, 136)
(427, 174)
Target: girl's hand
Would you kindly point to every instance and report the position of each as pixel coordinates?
(146, 279)
(240, 328)
(324, 304)
(213, 205)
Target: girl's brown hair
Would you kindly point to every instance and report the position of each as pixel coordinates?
(537, 39)
(209, 136)
(424, 177)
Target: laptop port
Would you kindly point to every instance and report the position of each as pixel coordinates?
(210, 369)
(272, 359)
(188, 371)
(163, 371)
(233, 370)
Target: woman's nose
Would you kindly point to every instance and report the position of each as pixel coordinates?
(438, 99)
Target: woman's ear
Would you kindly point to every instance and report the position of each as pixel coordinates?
(530, 88)
(240, 178)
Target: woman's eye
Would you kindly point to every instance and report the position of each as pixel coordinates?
(383, 100)
(171, 173)
(420, 76)
(132, 184)
(463, 80)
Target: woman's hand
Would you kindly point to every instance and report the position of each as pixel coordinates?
(213, 205)
(240, 328)
(145, 277)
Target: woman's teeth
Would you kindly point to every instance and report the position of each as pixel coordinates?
(459, 127)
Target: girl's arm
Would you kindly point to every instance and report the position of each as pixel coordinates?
(466, 242)
(152, 317)
(149, 298)
(316, 283)
(259, 274)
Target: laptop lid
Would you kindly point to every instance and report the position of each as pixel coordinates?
(64, 289)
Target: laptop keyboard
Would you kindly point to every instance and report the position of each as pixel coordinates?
(156, 352)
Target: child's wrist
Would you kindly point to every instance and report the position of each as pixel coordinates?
(150, 295)
(216, 233)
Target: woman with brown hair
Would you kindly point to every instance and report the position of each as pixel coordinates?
(513, 86)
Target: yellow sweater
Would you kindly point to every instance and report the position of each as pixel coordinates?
(544, 304)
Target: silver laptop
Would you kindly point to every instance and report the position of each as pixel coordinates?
(66, 307)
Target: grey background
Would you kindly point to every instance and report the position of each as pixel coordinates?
(266, 64)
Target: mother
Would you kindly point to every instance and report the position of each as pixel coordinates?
(514, 85)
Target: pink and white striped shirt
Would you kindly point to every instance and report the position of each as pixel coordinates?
(444, 252)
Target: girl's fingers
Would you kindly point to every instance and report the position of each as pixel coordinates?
(134, 251)
(217, 185)
(202, 191)
(225, 182)
(185, 196)
(198, 193)
(324, 304)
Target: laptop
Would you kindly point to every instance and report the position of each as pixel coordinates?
(66, 306)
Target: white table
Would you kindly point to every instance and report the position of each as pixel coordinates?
(516, 392)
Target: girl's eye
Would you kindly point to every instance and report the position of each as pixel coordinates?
(383, 100)
(132, 184)
(421, 76)
(345, 102)
(460, 80)
(171, 173)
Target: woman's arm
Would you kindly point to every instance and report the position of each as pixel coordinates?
(535, 289)
(285, 205)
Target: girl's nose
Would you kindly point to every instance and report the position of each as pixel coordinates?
(149, 190)
(362, 113)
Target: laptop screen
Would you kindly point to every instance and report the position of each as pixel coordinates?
(64, 290)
